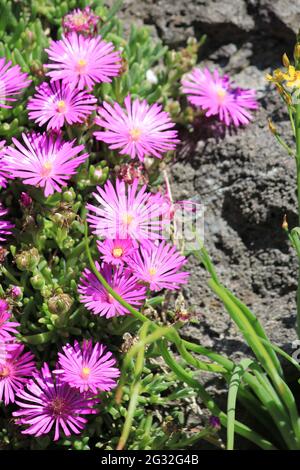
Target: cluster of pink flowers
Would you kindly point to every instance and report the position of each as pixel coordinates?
(60, 400)
(218, 96)
(16, 366)
(133, 255)
(55, 400)
(77, 63)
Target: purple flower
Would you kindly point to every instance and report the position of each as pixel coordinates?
(48, 403)
(44, 161)
(12, 82)
(158, 266)
(116, 251)
(218, 97)
(139, 130)
(3, 171)
(59, 104)
(25, 199)
(81, 21)
(81, 61)
(96, 298)
(87, 368)
(7, 327)
(16, 292)
(5, 226)
(126, 214)
(15, 372)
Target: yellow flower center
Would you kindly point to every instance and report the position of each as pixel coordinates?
(135, 134)
(79, 19)
(221, 93)
(61, 106)
(152, 271)
(110, 298)
(117, 252)
(4, 372)
(81, 65)
(46, 170)
(85, 372)
(127, 219)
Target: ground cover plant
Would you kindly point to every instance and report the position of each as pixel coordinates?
(93, 353)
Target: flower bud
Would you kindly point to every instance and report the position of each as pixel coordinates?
(60, 304)
(69, 195)
(25, 200)
(272, 127)
(297, 52)
(285, 60)
(37, 281)
(285, 224)
(16, 293)
(27, 260)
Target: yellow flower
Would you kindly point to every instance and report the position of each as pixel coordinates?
(292, 77)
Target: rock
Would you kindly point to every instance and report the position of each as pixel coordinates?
(245, 179)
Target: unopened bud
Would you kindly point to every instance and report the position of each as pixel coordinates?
(272, 127)
(285, 60)
(297, 52)
(285, 224)
(60, 304)
(37, 281)
(27, 260)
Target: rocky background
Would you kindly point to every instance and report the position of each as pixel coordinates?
(245, 180)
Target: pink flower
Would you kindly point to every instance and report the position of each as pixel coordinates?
(116, 251)
(139, 130)
(44, 161)
(3, 171)
(15, 372)
(87, 368)
(81, 21)
(96, 298)
(59, 104)
(5, 226)
(25, 200)
(7, 327)
(12, 82)
(49, 403)
(126, 214)
(82, 61)
(158, 266)
(217, 96)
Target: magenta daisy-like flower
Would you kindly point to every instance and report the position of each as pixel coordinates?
(158, 266)
(96, 298)
(15, 372)
(82, 61)
(48, 403)
(12, 82)
(138, 130)
(58, 104)
(217, 96)
(116, 251)
(81, 21)
(5, 226)
(43, 161)
(134, 213)
(7, 327)
(3, 171)
(87, 367)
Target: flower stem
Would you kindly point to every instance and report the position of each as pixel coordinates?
(297, 119)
